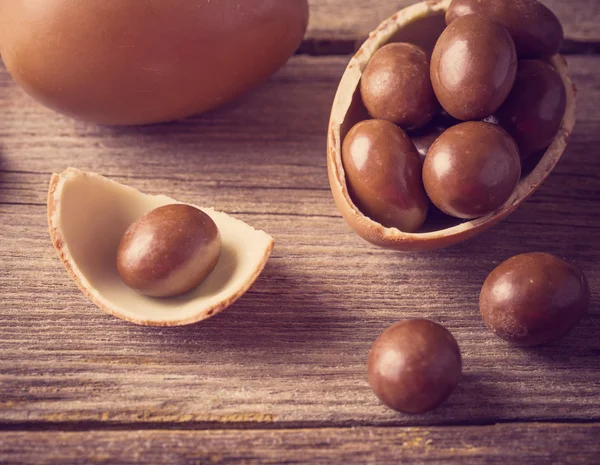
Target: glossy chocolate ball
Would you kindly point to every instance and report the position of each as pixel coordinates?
(473, 67)
(414, 366)
(169, 251)
(536, 31)
(534, 109)
(534, 298)
(383, 174)
(396, 86)
(471, 169)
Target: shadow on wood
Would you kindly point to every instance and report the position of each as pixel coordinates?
(3, 176)
(479, 394)
(279, 314)
(289, 108)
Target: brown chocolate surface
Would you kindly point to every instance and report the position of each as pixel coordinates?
(534, 298)
(169, 251)
(414, 365)
(534, 109)
(471, 169)
(137, 62)
(383, 172)
(537, 32)
(473, 67)
(396, 86)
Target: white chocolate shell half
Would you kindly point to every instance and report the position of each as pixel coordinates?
(422, 24)
(88, 214)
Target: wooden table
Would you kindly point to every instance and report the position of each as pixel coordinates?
(280, 376)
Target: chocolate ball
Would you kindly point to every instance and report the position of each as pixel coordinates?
(473, 67)
(534, 298)
(383, 174)
(395, 86)
(414, 366)
(471, 169)
(536, 31)
(169, 251)
(535, 107)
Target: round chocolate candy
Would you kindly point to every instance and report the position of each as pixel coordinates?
(535, 107)
(473, 67)
(536, 31)
(534, 298)
(395, 86)
(471, 169)
(169, 251)
(414, 366)
(383, 173)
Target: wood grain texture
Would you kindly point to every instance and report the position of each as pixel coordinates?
(531, 444)
(292, 351)
(337, 25)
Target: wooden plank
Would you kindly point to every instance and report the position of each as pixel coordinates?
(292, 351)
(532, 444)
(336, 25)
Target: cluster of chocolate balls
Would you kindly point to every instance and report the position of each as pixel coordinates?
(454, 129)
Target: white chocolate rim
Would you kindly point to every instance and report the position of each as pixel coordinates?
(87, 216)
(392, 237)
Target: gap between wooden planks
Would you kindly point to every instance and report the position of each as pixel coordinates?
(530, 444)
(339, 26)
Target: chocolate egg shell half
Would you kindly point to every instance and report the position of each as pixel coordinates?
(88, 215)
(422, 24)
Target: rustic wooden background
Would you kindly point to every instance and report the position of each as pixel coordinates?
(280, 377)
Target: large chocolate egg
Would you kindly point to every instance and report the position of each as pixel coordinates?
(135, 61)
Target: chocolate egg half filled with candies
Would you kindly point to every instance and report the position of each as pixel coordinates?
(422, 24)
(88, 215)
